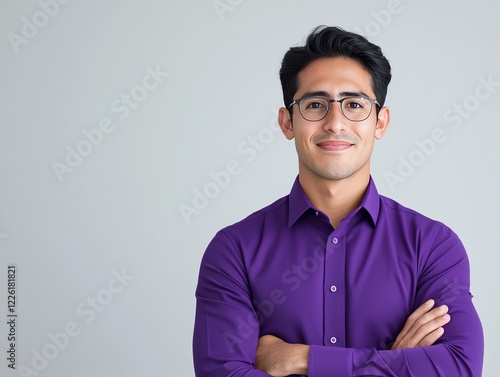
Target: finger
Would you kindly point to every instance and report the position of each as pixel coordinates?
(424, 326)
(434, 331)
(426, 318)
(417, 328)
(425, 334)
(430, 339)
(421, 310)
(427, 322)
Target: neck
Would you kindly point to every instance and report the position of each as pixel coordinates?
(336, 198)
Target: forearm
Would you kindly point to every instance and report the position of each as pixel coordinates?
(278, 358)
(458, 353)
(433, 361)
(322, 361)
(413, 354)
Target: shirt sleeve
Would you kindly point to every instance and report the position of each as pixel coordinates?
(443, 276)
(226, 328)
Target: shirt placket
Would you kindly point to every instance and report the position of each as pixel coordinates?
(335, 290)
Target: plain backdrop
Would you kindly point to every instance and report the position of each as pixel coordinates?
(118, 117)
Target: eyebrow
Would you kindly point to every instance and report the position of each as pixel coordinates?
(341, 94)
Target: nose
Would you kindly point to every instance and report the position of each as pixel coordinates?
(335, 122)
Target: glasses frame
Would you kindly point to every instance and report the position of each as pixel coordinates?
(340, 101)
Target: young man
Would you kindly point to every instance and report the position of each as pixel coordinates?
(335, 279)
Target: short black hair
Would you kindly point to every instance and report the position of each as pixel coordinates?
(329, 41)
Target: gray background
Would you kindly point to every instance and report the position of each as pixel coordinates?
(120, 207)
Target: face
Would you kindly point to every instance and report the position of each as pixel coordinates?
(334, 148)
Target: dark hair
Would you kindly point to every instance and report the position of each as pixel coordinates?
(333, 42)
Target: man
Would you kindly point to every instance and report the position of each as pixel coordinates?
(335, 279)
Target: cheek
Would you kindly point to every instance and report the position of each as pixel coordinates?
(302, 136)
(366, 135)
(301, 145)
(368, 145)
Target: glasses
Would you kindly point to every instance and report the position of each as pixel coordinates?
(355, 109)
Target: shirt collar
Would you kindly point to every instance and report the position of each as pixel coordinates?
(371, 201)
(298, 203)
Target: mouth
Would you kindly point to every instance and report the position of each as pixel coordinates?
(334, 145)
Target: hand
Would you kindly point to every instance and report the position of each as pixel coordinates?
(423, 327)
(278, 358)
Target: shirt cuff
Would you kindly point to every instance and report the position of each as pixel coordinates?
(329, 361)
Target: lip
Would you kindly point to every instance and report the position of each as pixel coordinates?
(334, 145)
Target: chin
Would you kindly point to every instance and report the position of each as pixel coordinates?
(337, 174)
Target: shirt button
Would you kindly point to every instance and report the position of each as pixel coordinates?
(333, 289)
(317, 213)
(335, 240)
(333, 340)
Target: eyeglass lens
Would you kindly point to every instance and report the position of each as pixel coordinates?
(316, 108)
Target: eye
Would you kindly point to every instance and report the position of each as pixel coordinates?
(354, 104)
(315, 104)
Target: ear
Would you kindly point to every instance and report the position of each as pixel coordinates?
(285, 123)
(384, 117)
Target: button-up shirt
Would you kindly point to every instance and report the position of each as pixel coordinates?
(347, 292)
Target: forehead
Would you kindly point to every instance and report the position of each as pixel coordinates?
(334, 75)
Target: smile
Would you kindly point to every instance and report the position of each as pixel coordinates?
(334, 145)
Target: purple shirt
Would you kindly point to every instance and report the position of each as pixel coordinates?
(347, 292)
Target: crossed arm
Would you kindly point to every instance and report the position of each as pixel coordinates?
(423, 328)
(228, 341)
